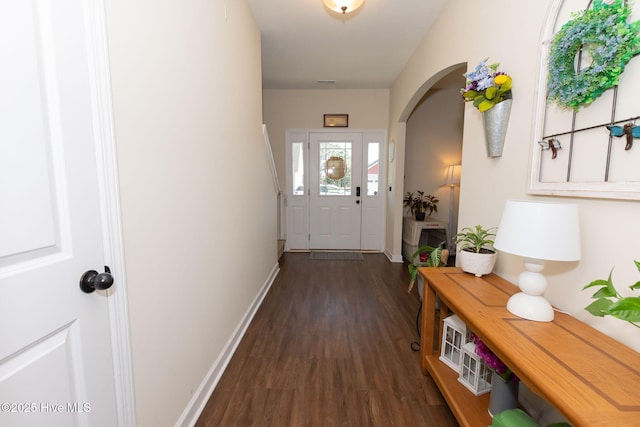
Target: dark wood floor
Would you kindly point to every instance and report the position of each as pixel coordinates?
(330, 346)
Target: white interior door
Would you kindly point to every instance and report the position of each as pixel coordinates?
(335, 190)
(56, 367)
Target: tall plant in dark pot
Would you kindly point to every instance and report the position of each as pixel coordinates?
(421, 205)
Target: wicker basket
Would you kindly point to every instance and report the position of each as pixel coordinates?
(335, 168)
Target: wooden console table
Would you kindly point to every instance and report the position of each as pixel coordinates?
(588, 376)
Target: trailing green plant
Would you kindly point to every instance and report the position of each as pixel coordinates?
(608, 302)
(418, 203)
(433, 260)
(477, 239)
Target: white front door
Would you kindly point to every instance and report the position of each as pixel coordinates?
(56, 366)
(326, 213)
(335, 190)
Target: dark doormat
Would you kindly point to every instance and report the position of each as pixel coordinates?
(345, 256)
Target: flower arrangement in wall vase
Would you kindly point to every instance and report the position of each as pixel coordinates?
(490, 92)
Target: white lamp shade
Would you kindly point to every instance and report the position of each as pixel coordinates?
(540, 230)
(343, 6)
(452, 177)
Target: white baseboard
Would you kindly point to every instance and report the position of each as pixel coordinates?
(203, 393)
(392, 257)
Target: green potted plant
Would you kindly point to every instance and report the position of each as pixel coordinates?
(608, 302)
(435, 257)
(419, 204)
(477, 254)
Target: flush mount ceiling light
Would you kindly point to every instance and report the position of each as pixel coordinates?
(343, 6)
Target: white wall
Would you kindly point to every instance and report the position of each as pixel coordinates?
(609, 227)
(287, 109)
(198, 205)
(433, 142)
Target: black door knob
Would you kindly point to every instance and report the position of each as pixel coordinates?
(92, 280)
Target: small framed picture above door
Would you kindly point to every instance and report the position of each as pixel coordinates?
(336, 120)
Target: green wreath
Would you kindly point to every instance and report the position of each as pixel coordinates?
(604, 33)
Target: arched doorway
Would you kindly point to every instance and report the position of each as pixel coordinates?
(432, 133)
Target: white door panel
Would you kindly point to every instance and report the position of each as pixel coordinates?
(31, 381)
(347, 217)
(55, 352)
(323, 221)
(334, 205)
(299, 218)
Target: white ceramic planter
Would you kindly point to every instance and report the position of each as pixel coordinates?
(477, 263)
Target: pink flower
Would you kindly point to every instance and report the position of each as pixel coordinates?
(492, 360)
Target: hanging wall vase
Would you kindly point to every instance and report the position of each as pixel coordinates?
(495, 121)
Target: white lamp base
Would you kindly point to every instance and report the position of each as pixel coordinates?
(531, 307)
(530, 304)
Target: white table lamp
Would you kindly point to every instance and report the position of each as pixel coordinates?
(537, 231)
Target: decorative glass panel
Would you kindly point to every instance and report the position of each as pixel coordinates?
(297, 168)
(335, 169)
(373, 168)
